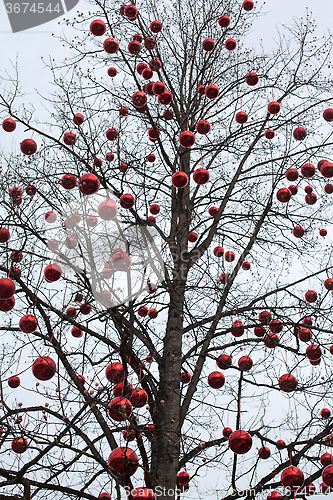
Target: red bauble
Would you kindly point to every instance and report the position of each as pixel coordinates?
(307, 321)
(156, 26)
(19, 445)
(9, 125)
(227, 432)
(273, 108)
(7, 304)
(158, 88)
(212, 91)
(308, 170)
(259, 331)
(78, 119)
(107, 210)
(115, 372)
(186, 139)
(143, 311)
(293, 190)
(311, 296)
(299, 133)
(183, 478)
(134, 47)
(121, 261)
(14, 382)
(52, 273)
(185, 378)
(179, 180)
(326, 459)
(111, 134)
(7, 288)
(273, 495)
(218, 252)
(192, 237)
(119, 409)
(126, 201)
(141, 66)
(298, 232)
(308, 189)
(139, 99)
(201, 90)
(271, 340)
(252, 79)
(109, 156)
(287, 382)
(76, 332)
(112, 72)
(328, 115)
(224, 21)
(28, 147)
(201, 176)
(292, 174)
(68, 181)
(131, 12)
(111, 46)
(147, 74)
(143, 493)
(153, 135)
(15, 256)
(245, 363)
(104, 496)
(138, 398)
(223, 278)
(230, 44)
(327, 170)
(208, 45)
(165, 98)
(224, 361)
(313, 352)
(150, 43)
(44, 368)
(237, 328)
(241, 117)
(88, 184)
(283, 195)
(328, 284)
(152, 313)
(85, 309)
(325, 413)
(71, 312)
(213, 211)
(323, 232)
(69, 138)
(168, 114)
(229, 256)
(280, 444)
(202, 127)
(4, 235)
(246, 266)
(292, 477)
(240, 442)
(248, 5)
(123, 167)
(50, 217)
(216, 380)
(269, 134)
(98, 27)
(264, 453)
(304, 334)
(154, 209)
(123, 462)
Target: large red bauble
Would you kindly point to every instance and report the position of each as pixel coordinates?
(19, 445)
(7, 288)
(68, 181)
(311, 296)
(304, 334)
(328, 115)
(292, 477)
(216, 380)
(119, 409)
(287, 382)
(78, 119)
(326, 459)
(183, 478)
(155, 26)
(292, 174)
(139, 99)
(298, 231)
(52, 273)
(224, 21)
(111, 45)
(9, 125)
(98, 27)
(186, 139)
(273, 108)
(313, 352)
(237, 328)
(69, 138)
(308, 170)
(252, 79)
(208, 45)
(165, 98)
(44, 368)
(88, 184)
(299, 133)
(28, 147)
(264, 452)
(229, 256)
(107, 210)
(280, 444)
(241, 117)
(4, 235)
(123, 462)
(115, 372)
(158, 88)
(212, 91)
(248, 5)
(224, 361)
(14, 382)
(7, 304)
(202, 127)
(245, 363)
(269, 134)
(283, 195)
(240, 442)
(230, 44)
(138, 398)
(126, 201)
(327, 170)
(218, 252)
(265, 317)
(201, 176)
(112, 72)
(179, 179)
(325, 413)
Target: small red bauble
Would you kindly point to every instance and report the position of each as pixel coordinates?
(186, 139)
(208, 45)
(15, 256)
(4, 235)
(252, 79)
(275, 326)
(70, 242)
(328, 115)
(123, 462)
(201, 90)
(85, 309)
(223, 278)
(115, 372)
(183, 478)
(7, 304)
(71, 312)
(28, 147)
(147, 74)
(213, 211)
(151, 220)
(152, 313)
(139, 99)
(259, 331)
(179, 180)
(299, 133)
(328, 284)
(150, 43)
(76, 332)
(229, 256)
(9, 125)
(308, 170)
(158, 88)
(304, 334)
(283, 195)
(241, 117)
(98, 27)
(88, 184)
(52, 273)
(192, 237)
(240, 442)
(123, 112)
(248, 5)
(321, 163)
(107, 210)
(212, 91)
(245, 363)
(201, 176)
(308, 189)
(141, 66)
(264, 453)
(298, 232)
(126, 201)
(119, 409)
(246, 266)
(109, 156)
(237, 328)
(134, 47)
(202, 127)
(123, 167)
(14, 382)
(19, 445)
(121, 261)
(311, 296)
(230, 44)
(156, 26)
(307, 321)
(7, 288)
(165, 98)
(185, 378)
(216, 380)
(78, 119)
(168, 114)
(153, 135)
(112, 72)
(271, 340)
(269, 134)
(273, 108)
(325, 413)
(323, 232)
(327, 475)
(69, 138)
(154, 209)
(224, 21)
(292, 477)
(68, 181)
(44, 368)
(122, 389)
(111, 134)
(292, 174)
(50, 217)
(313, 352)
(326, 459)
(293, 190)
(224, 361)
(111, 46)
(218, 252)
(327, 170)
(139, 398)
(226, 432)
(280, 444)
(287, 382)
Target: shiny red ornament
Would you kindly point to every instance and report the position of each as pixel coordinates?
(4, 235)
(68, 181)
(9, 125)
(147, 74)
(248, 5)
(273, 108)
(112, 72)
(150, 43)
(208, 45)
(111, 134)
(325, 413)
(7, 305)
(131, 12)
(216, 380)
(71, 312)
(69, 138)
(104, 496)
(78, 119)
(212, 91)
(156, 26)
(293, 190)
(14, 382)
(115, 372)
(275, 326)
(224, 361)
(119, 409)
(179, 179)
(241, 117)
(50, 217)
(44, 368)
(229, 256)
(185, 377)
(52, 273)
(192, 237)
(152, 313)
(271, 340)
(213, 211)
(328, 284)
(155, 64)
(328, 115)
(153, 135)
(269, 134)
(109, 156)
(259, 331)
(98, 27)
(264, 453)
(140, 67)
(308, 170)
(240, 442)
(122, 389)
(76, 332)
(223, 278)
(85, 309)
(121, 261)
(88, 184)
(313, 352)
(107, 210)
(304, 334)
(28, 324)
(237, 328)
(327, 170)
(326, 459)
(139, 398)
(252, 79)
(183, 478)
(226, 432)
(218, 252)
(139, 99)
(15, 256)
(283, 195)
(168, 114)
(308, 189)
(111, 46)
(123, 462)
(323, 232)
(292, 174)
(246, 266)
(287, 382)
(126, 201)
(202, 127)
(292, 477)
(28, 147)
(280, 444)
(186, 139)
(134, 47)
(311, 296)
(154, 209)
(245, 363)
(298, 232)
(230, 44)
(224, 21)
(165, 98)
(158, 88)
(201, 176)
(299, 133)
(19, 445)
(201, 90)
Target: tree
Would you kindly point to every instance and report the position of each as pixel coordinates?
(228, 268)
